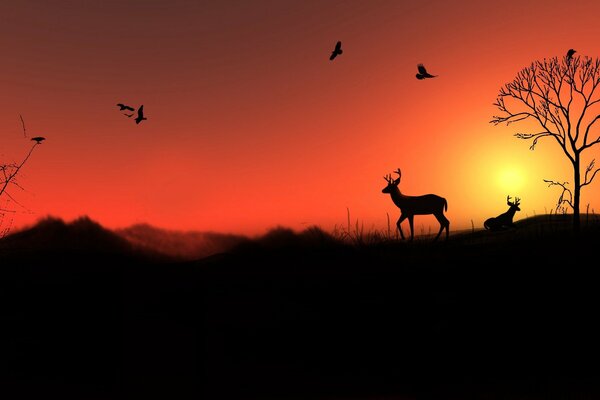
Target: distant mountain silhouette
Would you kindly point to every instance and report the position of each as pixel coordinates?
(80, 237)
(178, 244)
(86, 237)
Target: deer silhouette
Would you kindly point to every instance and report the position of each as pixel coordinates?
(504, 220)
(416, 205)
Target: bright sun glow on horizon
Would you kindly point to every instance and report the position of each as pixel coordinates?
(511, 179)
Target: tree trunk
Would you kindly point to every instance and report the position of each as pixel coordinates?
(576, 193)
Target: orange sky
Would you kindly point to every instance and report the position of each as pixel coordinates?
(251, 126)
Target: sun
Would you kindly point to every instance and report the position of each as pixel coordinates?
(510, 179)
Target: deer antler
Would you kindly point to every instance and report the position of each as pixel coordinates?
(388, 178)
(517, 200)
(397, 181)
(508, 201)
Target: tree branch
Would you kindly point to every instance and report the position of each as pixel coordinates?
(590, 144)
(587, 129)
(562, 200)
(15, 201)
(588, 169)
(534, 136)
(23, 123)
(16, 170)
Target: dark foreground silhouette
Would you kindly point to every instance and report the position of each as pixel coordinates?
(485, 315)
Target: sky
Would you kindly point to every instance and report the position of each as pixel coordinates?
(251, 126)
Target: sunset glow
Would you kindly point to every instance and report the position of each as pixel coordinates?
(511, 179)
(251, 126)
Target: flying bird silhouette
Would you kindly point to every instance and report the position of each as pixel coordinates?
(124, 107)
(140, 115)
(423, 72)
(38, 139)
(570, 54)
(337, 51)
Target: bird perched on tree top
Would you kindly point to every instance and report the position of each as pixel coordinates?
(423, 72)
(38, 139)
(570, 54)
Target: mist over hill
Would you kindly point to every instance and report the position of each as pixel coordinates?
(179, 244)
(87, 238)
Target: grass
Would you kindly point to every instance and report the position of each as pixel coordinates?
(534, 228)
(355, 234)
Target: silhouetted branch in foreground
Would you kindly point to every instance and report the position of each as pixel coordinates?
(23, 124)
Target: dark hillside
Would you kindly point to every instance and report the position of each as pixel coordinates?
(486, 315)
(53, 237)
(508, 314)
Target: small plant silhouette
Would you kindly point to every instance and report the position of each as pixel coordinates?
(504, 220)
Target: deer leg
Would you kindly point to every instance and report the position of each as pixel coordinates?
(444, 223)
(402, 218)
(412, 231)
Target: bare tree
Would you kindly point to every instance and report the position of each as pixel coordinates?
(8, 175)
(559, 97)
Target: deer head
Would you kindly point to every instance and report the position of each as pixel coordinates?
(514, 205)
(392, 183)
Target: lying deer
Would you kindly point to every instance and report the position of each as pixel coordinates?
(416, 205)
(505, 220)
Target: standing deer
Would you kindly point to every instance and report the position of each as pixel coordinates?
(504, 220)
(416, 205)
